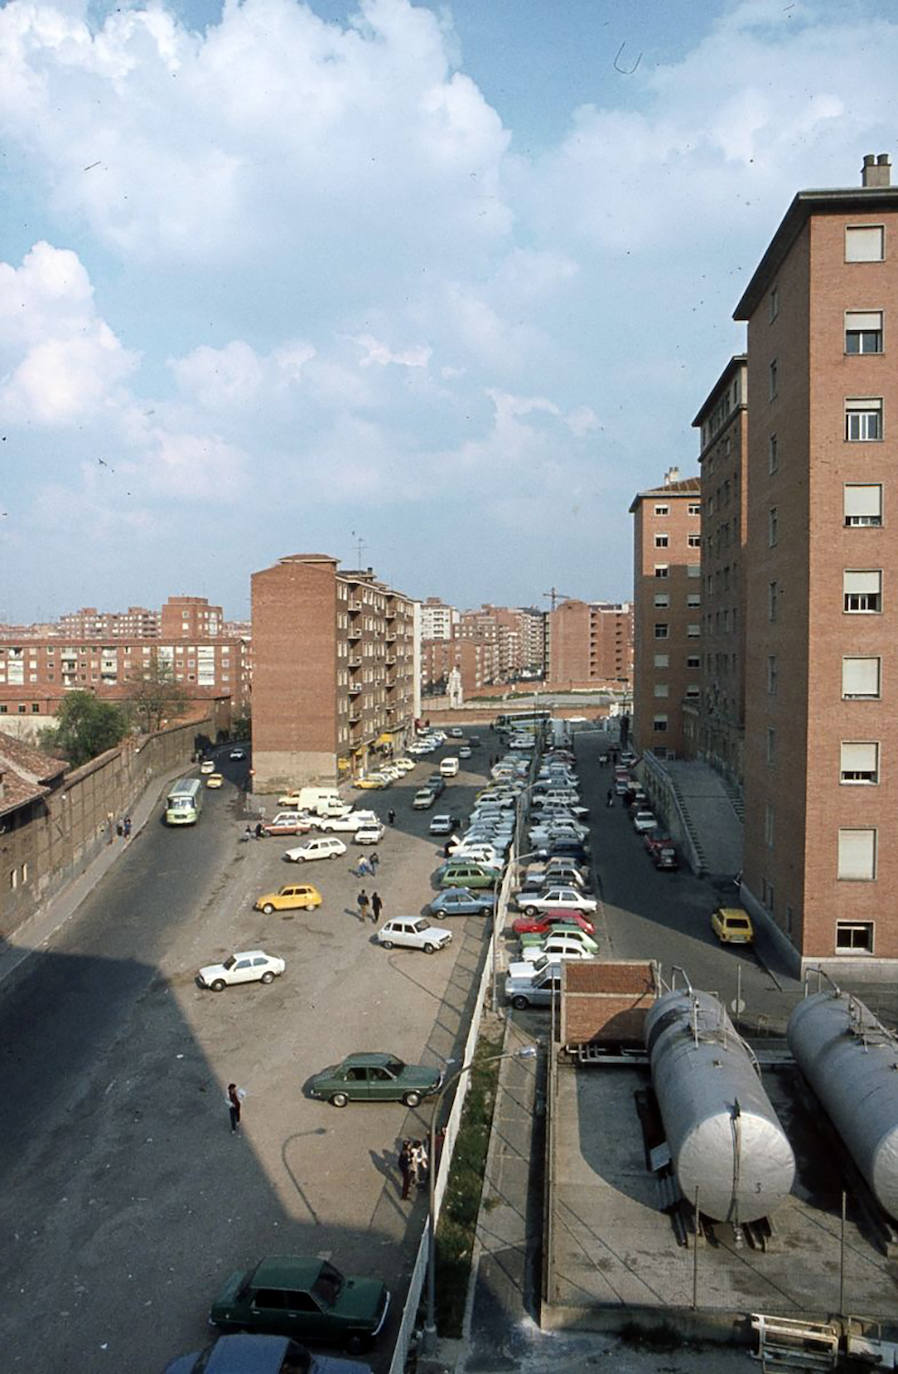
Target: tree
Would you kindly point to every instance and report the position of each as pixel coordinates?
(86, 727)
(155, 696)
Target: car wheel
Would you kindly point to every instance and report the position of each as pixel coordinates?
(387, 944)
(529, 910)
(267, 977)
(339, 1100)
(268, 908)
(486, 911)
(412, 1099)
(332, 856)
(520, 1002)
(429, 948)
(219, 985)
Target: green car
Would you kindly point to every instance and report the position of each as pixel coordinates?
(306, 1298)
(375, 1078)
(468, 875)
(536, 939)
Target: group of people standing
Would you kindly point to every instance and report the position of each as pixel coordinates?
(413, 1164)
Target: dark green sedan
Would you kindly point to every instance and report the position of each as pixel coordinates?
(305, 1298)
(370, 1077)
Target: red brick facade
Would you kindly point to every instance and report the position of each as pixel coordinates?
(590, 642)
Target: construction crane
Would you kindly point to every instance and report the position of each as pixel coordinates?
(554, 596)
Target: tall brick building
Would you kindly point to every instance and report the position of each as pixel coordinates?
(667, 612)
(335, 671)
(821, 726)
(589, 642)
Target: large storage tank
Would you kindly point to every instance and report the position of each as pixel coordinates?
(725, 1138)
(851, 1062)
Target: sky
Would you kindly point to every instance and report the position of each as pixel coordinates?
(432, 288)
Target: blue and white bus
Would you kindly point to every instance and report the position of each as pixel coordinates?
(184, 802)
(510, 721)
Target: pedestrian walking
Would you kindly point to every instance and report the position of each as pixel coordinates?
(419, 1163)
(610, 799)
(260, 830)
(361, 902)
(405, 1166)
(374, 861)
(126, 827)
(377, 907)
(234, 1100)
(391, 816)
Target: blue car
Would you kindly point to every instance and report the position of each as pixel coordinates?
(460, 901)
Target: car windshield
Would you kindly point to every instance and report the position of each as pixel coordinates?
(395, 1067)
(327, 1286)
(422, 924)
(230, 961)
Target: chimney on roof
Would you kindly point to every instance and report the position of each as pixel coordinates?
(671, 475)
(876, 171)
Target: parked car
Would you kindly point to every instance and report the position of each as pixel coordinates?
(423, 799)
(437, 784)
(449, 767)
(375, 1077)
(247, 966)
(246, 1352)
(529, 987)
(373, 782)
(214, 780)
(666, 858)
(460, 901)
(468, 874)
(456, 732)
(344, 825)
(413, 932)
(207, 766)
(545, 921)
(288, 823)
(294, 1295)
(318, 847)
(237, 754)
(732, 925)
(464, 751)
(293, 896)
(440, 825)
(645, 820)
(369, 834)
(559, 944)
(557, 898)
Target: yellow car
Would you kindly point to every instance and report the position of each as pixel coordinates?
(295, 895)
(214, 780)
(374, 781)
(732, 925)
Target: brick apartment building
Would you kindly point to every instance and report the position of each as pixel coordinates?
(136, 623)
(821, 725)
(36, 672)
(438, 621)
(336, 671)
(476, 661)
(517, 631)
(714, 726)
(667, 643)
(589, 642)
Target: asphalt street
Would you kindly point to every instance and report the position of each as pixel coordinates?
(127, 1201)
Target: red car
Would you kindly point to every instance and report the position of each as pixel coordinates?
(545, 920)
(653, 841)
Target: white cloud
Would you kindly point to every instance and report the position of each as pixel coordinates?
(418, 355)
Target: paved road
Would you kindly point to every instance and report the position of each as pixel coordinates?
(126, 1199)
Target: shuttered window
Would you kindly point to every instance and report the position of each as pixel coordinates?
(862, 504)
(859, 762)
(863, 331)
(862, 590)
(860, 677)
(857, 855)
(864, 243)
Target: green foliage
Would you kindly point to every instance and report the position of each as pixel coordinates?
(155, 696)
(86, 727)
(241, 727)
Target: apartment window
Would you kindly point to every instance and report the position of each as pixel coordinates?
(865, 243)
(769, 822)
(772, 526)
(662, 600)
(862, 504)
(861, 679)
(693, 661)
(661, 630)
(693, 692)
(863, 331)
(694, 541)
(773, 460)
(854, 935)
(693, 569)
(659, 723)
(662, 510)
(857, 855)
(771, 744)
(863, 419)
(661, 689)
(862, 591)
(859, 762)
(693, 631)
(693, 600)
(662, 660)
(662, 569)
(773, 378)
(771, 600)
(774, 301)
(694, 508)
(771, 675)
(661, 541)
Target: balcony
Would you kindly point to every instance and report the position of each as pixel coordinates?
(354, 663)
(354, 607)
(354, 633)
(354, 688)
(355, 713)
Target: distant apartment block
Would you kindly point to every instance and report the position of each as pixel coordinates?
(437, 619)
(88, 623)
(667, 584)
(476, 660)
(517, 631)
(336, 672)
(590, 642)
(715, 724)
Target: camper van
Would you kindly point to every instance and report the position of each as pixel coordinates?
(321, 801)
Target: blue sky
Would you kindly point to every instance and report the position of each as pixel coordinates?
(448, 279)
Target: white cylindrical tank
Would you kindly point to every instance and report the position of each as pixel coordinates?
(724, 1137)
(851, 1062)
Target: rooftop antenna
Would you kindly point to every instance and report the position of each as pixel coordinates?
(359, 545)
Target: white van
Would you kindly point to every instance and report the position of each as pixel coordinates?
(321, 801)
(449, 767)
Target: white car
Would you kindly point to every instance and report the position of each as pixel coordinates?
(348, 824)
(207, 766)
(479, 853)
(369, 834)
(645, 820)
(248, 966)
(456, 732)
(566, 944)
(404, 765)
(413, 932)
(237, 754)
(464, 752)
(321, 847)
(440, 825)
(559, 898)
(423, 799)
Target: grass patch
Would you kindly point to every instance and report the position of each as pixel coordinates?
(461, 1204)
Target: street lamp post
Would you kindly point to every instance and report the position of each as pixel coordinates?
(430, 1324)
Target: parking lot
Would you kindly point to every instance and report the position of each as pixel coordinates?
(133, 1188)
